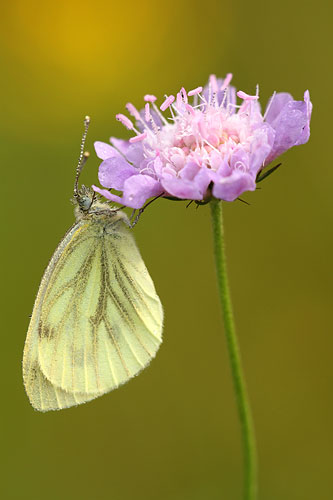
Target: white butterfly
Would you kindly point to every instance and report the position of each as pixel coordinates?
(97, 320)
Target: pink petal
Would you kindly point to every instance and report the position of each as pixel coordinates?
(138, 189)
(185, 187)
(107, 194)
(276, 104)
(229, 188)
(104, 150)
(120, 145)
(113, 172)
(291, 126)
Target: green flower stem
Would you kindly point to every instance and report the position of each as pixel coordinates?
(243, 406)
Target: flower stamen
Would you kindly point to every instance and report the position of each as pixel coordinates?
(125, 121)
(194, 92)
(167, 103)
(138, 138)
(247, 97)
(150, 98)
(133, 111)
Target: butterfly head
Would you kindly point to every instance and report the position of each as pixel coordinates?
(84, 198)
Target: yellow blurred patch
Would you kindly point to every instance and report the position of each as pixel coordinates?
(63, 60)
(77, 34)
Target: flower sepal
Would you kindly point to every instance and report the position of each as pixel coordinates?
(264, 174)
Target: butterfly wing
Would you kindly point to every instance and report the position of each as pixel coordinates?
(42, 393)
(97, 320)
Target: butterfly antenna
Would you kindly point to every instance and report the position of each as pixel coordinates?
(83, 156)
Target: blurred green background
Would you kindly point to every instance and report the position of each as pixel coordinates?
(172, 433)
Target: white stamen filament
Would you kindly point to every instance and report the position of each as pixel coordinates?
(159, 114)
(225, 92)
(147, 112)
(269, 105)
(209, 92)
(214, 100)
(179, 100)
(210, 145)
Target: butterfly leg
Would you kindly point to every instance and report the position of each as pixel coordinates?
(135, 220)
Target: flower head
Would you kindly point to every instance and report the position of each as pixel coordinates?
(208, 145)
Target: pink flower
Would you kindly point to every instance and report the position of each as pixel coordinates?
(208, 146)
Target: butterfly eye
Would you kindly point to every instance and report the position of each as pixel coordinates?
(85, 203)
